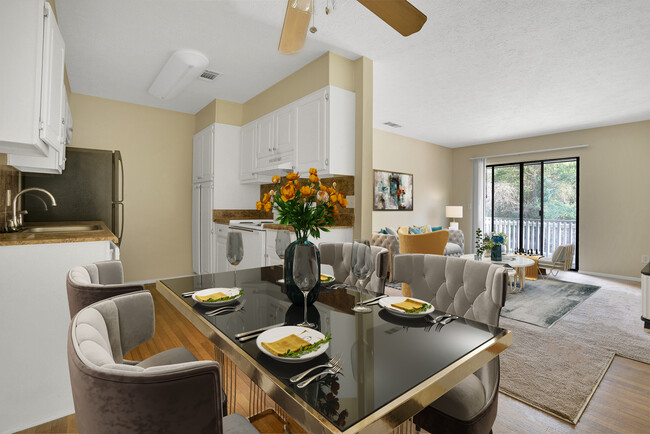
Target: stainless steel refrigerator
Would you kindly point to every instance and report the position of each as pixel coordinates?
(90, 188)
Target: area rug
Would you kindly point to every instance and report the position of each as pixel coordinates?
(557, 369)
(544, 302)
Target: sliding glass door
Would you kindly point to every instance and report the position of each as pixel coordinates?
(535, 204)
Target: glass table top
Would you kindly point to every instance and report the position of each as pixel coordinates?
(382, 356)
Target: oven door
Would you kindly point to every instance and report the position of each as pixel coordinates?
(254, 248)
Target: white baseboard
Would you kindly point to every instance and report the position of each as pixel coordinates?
(611, 276)
(144, 282)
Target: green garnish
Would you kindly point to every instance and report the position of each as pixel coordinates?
(419, 309)
(307, 348)
(232, 297)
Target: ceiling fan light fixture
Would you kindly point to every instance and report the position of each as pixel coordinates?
(181, 68)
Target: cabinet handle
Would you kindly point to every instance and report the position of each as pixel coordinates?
(327, 161)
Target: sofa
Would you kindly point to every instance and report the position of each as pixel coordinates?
(455, 246)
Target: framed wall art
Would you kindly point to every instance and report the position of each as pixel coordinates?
(393, 191)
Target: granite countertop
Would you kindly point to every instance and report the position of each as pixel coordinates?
(279, 227)
(26, 238)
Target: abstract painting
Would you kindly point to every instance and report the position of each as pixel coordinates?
(393, 191)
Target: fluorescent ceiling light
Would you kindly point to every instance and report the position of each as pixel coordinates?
(183, 67)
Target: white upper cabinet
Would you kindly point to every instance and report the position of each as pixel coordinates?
(315, 131)
(202, 155)
(325, 132)
(32, 90)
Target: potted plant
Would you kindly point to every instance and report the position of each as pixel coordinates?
(494, 242)
(309, 207)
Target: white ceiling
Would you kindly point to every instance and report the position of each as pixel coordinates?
(479, 71)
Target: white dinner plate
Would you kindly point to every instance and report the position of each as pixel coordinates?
(310, 335)
(386, 303)
(228, 291)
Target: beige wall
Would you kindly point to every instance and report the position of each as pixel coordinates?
(221, 111)
(430, 165)
(614, 182)
(156, 146)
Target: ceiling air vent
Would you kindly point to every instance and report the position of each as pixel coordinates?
(209, 75)
(392, 124)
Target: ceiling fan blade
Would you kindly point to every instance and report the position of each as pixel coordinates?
(294, 29)
(399, 14)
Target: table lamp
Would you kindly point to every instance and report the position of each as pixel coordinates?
(454, 212)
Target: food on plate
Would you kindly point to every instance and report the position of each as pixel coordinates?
(217, 297)
(326, 278)
(411, 306)
(294, 346)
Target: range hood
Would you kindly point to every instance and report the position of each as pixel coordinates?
(280, 169)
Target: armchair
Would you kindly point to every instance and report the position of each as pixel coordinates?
(561, 260)
(182, 395)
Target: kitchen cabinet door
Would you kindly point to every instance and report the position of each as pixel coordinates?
(285, 132)
(207, 228)
(196, 228)
(265, 137)
(202, 153)
(311, 133)
(220, 254)
(247, 153)
(53, 88)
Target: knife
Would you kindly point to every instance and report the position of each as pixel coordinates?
(361, 303)
(263, 329)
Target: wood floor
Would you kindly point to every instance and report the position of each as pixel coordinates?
(621, 402)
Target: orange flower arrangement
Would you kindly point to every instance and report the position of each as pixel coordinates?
(310, 208)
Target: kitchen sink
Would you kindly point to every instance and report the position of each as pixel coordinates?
(63, 228)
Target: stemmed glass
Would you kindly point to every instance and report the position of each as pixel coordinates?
(282, 241)
(362, 266)
(234, 251)
(305, 273)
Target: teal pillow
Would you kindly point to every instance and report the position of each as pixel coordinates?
(416, 231)
(383, 231)
(436, 228)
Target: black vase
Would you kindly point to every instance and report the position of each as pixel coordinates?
(293, 292)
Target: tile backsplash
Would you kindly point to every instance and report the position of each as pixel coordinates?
(9, 180)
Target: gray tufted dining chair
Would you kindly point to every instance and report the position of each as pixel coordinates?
(87, 284)
(338, 256)
(112, 396)
(474, 290)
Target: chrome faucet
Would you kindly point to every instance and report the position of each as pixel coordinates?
(17, 219)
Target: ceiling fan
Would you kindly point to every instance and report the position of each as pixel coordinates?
(399, 14)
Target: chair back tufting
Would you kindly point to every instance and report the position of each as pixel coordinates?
(338, 255)
(472, 289)
(88, 284)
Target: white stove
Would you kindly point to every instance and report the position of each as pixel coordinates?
(250, 224)
(254, 239)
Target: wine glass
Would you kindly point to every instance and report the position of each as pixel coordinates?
(305, 273)
(362, 266)
(282, 241)
(234, 251)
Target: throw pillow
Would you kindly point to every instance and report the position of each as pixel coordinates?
(415, 230)
(436, 228)
(390, 230)
(383, 231)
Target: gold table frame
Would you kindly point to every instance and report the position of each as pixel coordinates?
(384, 419)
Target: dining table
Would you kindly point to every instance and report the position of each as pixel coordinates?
(391, 367)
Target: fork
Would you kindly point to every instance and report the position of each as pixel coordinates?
(448, 320)
(226, 309)
(333, 371)
(332, 363)
(437, 319)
